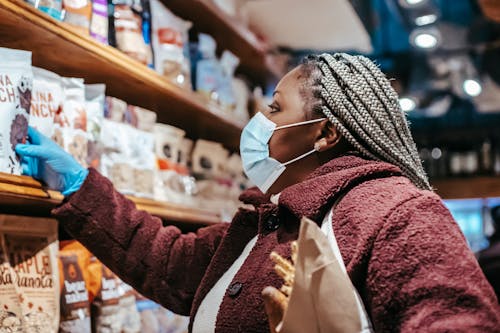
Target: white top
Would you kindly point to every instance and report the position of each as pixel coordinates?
(204, 320)
(206, 316)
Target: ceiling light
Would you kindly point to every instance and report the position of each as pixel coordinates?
(472, 87)
(436, 153)
(407, 104)
(425, 19)
(411, 3)
(425, 38)
(414, 2)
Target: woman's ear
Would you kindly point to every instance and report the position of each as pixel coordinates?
(329, 137)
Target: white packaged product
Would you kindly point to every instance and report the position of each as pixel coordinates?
(46, 100)
(146, 119)
(169, 35)
(115, 109)
(94, 104)
(207, 158)
(29, 285)
(144, 162)
(185, 148)
(16, 82)
(71, 128)
(167, 141)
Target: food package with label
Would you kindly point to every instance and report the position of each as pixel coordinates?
(110, 297)
(78, 14)
(115, 109)
(143, 160)
(167, 142)
(70, 129)
(99, 22)
(128, 30)
(209, 159)
(170, 36)
(46, 100)
(16, 84)
(227, 98)
(50, 7)
(128, 159)
(184, 155)
(94, 105)
(75, 304)
(29, 279)
(208, 70)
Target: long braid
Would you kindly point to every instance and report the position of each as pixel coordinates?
(357, 98)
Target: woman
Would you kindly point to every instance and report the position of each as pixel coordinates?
(336, 126)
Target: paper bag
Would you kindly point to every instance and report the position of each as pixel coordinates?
(323, 298)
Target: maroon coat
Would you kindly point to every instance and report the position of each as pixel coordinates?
(403, 251)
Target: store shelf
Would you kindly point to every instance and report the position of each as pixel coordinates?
(230, 34)
(58, 47)
(25, 196)
(463, 188)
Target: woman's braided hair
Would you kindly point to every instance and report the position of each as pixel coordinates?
(358, 99)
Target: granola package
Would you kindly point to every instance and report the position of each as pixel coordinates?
(46, 100)
(29, 281)
(75, 304)
(16, 82)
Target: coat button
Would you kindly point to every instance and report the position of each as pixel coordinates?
(234, 289)
(272, 222)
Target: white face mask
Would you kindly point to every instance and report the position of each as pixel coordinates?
(259, 167)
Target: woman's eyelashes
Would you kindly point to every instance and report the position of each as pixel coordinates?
(273, 108)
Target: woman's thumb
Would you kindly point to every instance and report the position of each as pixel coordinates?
(275, 303)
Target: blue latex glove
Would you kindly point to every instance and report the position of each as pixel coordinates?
(43, 159)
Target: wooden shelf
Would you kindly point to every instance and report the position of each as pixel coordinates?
(23, 195)
(463, 188)
(255, 59)
(58, 47)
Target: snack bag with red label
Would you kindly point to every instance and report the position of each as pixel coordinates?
(169, 37)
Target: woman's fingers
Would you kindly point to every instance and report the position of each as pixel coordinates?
(275, 303)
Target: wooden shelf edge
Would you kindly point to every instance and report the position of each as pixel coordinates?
(18, 192)
(465, 188)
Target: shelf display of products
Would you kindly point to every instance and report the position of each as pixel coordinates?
(50, 286)
(142, 158)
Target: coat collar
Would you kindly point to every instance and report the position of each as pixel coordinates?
(316, 194)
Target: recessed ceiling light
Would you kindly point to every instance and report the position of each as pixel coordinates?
(425, 19)
(407, 104)
(425, 38)
(411, 3)
(472, 87)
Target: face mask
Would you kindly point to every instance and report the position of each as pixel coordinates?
(259, 167)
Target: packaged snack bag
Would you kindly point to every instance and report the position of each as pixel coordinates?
(29, 280)
(169, 37)
(70, 129)
(75, 305)
(78, 14)
(105, 295)
(99, 21)
(128, 30)
(46, 100)
(94, 105)
(115, 109)
(16, 84)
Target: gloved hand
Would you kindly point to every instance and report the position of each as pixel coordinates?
(43, 159)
